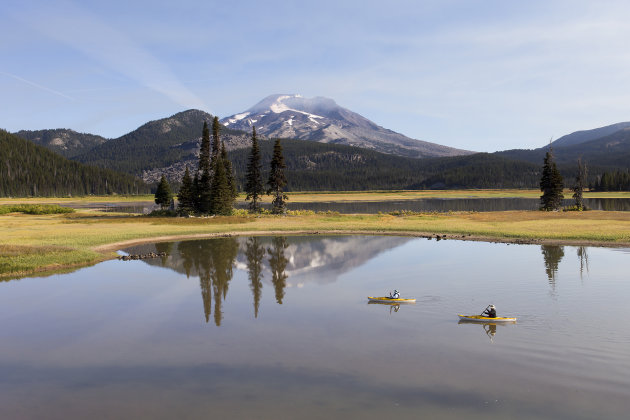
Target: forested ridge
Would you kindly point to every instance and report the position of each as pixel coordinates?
(27, 169)
(155, 144)
(315, 166)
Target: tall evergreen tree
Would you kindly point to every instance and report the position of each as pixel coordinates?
(204, 184)
(205, 192)
(221, 202)
(216, 141)
(551, 184)
(204, 151)
(195, 193)
(277, 180)
(163, 195)
(185, 198)
(253, 178)
(580, 183)
(229, 173)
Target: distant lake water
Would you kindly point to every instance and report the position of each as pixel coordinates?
(452, 204)
(280, 327)
(420, 205)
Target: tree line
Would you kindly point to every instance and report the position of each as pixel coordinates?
(28, 169)
(612, 181)
(213, 188)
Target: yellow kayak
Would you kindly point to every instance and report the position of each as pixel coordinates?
(385, 299)
(480, 318)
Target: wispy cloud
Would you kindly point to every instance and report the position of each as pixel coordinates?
(38, 86)
(93, 37)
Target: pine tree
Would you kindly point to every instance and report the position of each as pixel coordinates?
(203, 187)
(253, 178)
(221, 202)
(186, 203)
(205, 192)
(216, 141)
(204, 151)
(229, 173)
(163, 195)
(277, 180)
(195, 193)
(551, 184)
(580, 182)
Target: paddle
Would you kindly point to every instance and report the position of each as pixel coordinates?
(481, 314)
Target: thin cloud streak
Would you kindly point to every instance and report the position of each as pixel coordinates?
(38, 86)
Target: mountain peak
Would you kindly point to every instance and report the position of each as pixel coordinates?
(321, 119)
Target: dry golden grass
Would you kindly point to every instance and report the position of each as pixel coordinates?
(325, 196)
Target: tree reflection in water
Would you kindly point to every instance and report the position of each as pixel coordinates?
(214, 261)
(214, 264)
(583, 256)
(553, 255)
(166, 248)
(278, 264)
(255, 252)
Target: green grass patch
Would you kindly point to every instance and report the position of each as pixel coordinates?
(20, 260)
(35, 209)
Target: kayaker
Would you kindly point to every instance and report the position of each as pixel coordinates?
(396, 295)
(490, 311)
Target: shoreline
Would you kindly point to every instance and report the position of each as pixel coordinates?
(44, 244)
(106, 251)
(115, 246)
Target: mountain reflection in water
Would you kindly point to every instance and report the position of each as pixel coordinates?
(265, 259)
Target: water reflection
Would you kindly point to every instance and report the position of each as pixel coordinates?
(278, 263)
(552, 255)
(255, 252)
(450, 204)
(214, 266)
(273, 259)
(583, 256)
(490, 328)
(393, 307)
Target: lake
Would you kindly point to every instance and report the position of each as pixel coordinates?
(280, 327)
(418, 205)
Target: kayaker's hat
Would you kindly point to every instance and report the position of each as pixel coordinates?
(492, 307)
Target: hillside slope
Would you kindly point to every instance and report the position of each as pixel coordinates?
(67, 143)
(158, 143)
(27, 169)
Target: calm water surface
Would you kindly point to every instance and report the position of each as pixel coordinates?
(280, 328)
(419, 205)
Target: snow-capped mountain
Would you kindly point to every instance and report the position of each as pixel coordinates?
(321, 119)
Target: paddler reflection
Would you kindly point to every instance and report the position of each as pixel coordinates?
(490, 328)
(393, 307)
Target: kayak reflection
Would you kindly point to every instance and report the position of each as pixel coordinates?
(393, 306)
(490, 328)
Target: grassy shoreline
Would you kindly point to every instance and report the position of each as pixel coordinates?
(325, 196)
(44, 243)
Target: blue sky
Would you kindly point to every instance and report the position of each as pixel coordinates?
(479, 75)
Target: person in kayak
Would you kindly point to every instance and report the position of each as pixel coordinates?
(396, 295)
(490, 311)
